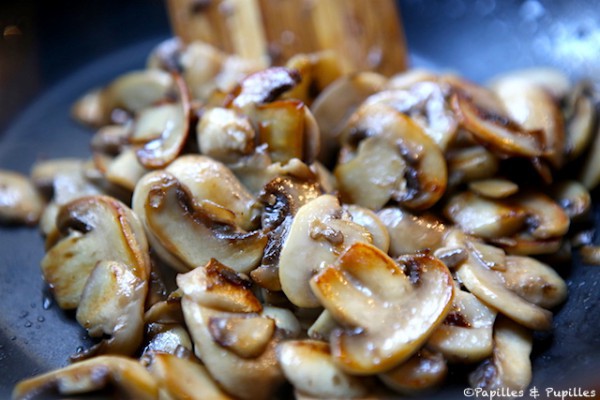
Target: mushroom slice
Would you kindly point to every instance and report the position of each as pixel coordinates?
(485, 218)
(489, 287)
(219, 287)
(125, 170)
(322, 327)
(552, 80)
(19, 200)
(533, 108)
(110, 139)
(225, 135)
(589, 174)
(166, 338)
(308, 365)
(496, 131)
(371, 222)
(93, 229)
(44, 173)
(424, 370)
(573, 198)
(466, 333)
(494, 188)
(545, 218)
(471, 163)
(534, 281)
(126, 376)
(188, 233)
(112, 304)
(387, 310)
(525, 244)
(408, 78)
(209, 181)
(318, 71)
(510, 366)
(337, 102)
(410, 233)
(423, 174)
(319, 233)
(264, 87)
(282, 197)
(182, 378)
(580, 117)
(137, 90)
(247, 336)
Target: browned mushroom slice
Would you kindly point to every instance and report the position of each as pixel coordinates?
(525, 244)
(423, 371)
(337, 102)
(20, 202)
(264, 87)
(412, 170)
(188, 233)
(410, 233)
(93, 229)
(308, 365)
(497, 131)
(466, 333)
(573, 197)
(128, 377)
(320, 232)
(485, 218)
(534, 281)
(89, 109)
(209, 181)
(225, 135)
(471, 163)
(494, 188)
(137, 90)
(112, 304)
(532, 107)
(489, 288)
(318, 71)
(545, 218)
(111, 139)
(282, 197)
(387, 310)
(182, 378)
(580, 117)
(371, 222)
(510, 366)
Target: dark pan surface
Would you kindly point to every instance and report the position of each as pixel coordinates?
(477, 38)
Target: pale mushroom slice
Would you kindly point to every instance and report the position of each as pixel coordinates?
(387, 310)
(371, 222)
(125, 170)
(552, 80)
(186, 232)
(318, 71)
(264, 87)
(470, 163)
(112, 304)
(484, 217)
(111, 139)
(465, 336)
(126, 376)
(282, 197)
(410, 233)
(210, 181)
(337, 102)
(236, 363)
(545, 218)
(533, 108)
(225, 135)
(93, 229)
(44, 173)
(580, 117)
(183, 378)
(573, 197)
(308, 365)
(411, 170)
(494, 188)
(534, 281)
(20, 202)
(489, 287)
(319, 233)
(422, 372)
(496, 131)
(589, 175)
(510, 365)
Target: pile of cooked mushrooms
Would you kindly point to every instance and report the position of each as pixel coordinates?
(237, 228)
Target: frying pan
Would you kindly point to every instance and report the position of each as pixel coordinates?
(65, 48)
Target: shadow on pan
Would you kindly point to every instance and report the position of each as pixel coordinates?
(65, 48)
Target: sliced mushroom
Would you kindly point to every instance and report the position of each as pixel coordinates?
(182, 378)
(128, 377)
(166, 339)
(93, 229)
(423, 371)
(44, 173)
(580, 117)
(510, 366)
(471, 163)
(318, 71)
(406, 79)
(525, 244)
(490, 289)
(553, 81)
(319, 233)
(264, 87)
(410, 233)
(110, 139)
(322, 327)
(225, 135)
(387, 310)
(371, 222)
(187, 232)
(494, 188)
(337, 103)
(545, 218)
(19, 200)
(573, 197)
(125, 170)
(534, 281)
(466, 333)
(532, 107)
(589, 175)
(308, 365)
(485, 218)
(410, 170)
